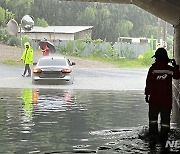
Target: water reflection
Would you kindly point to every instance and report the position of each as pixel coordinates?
(71, 121)
(27, 104)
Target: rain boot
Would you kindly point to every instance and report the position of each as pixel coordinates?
(153, 134)
(164, 135)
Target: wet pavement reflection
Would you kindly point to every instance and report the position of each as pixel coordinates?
(73, 121)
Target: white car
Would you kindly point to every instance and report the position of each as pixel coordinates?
(53, 69)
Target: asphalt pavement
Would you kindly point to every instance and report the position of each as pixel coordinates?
(84, 78)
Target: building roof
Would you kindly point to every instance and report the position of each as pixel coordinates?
(59, 29)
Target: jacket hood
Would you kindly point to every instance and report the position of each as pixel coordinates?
(27, 43)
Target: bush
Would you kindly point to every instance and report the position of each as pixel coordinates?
(4, 37)
(14, 41)
(61, 49)
(127, 52)
(25, 39)
(41, 22)
(80, 47)
(66, 48)
(147, 60)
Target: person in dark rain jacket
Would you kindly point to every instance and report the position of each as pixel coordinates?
(158, 93)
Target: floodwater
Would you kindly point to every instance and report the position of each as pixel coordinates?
(46, 121)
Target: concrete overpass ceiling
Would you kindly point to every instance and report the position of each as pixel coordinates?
(105, 1)
(168, 10)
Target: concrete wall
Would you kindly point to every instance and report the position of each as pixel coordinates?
(82, 34)
(132, 50)
(176, 87)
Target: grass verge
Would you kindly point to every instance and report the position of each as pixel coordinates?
(120, 63)
(11, 62)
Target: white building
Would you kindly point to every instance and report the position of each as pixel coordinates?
(57, 34)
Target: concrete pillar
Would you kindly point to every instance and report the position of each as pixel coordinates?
(176, 87)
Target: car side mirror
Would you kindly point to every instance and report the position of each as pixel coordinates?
(73, 63)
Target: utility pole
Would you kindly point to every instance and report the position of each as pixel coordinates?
(164, 33)
(159, 31)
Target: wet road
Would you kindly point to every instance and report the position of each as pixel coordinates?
(70, 121)
(103, 112)
(48, 121)
(85, 78)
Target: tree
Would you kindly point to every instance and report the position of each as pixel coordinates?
(5, 16)
(2, 16)
(19, 7)
(123, 27)
(88, 16)
(149, 30)
(102, 22)
(108, 20)
(41, 22)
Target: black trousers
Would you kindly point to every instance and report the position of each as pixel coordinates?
(27, 68)
(165, 122)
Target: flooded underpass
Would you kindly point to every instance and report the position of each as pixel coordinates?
(50, 121)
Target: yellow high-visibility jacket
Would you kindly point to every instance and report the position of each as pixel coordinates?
(27, 55)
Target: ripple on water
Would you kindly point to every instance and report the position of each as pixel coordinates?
(73, 121)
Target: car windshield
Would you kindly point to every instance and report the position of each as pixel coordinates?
(52, 62)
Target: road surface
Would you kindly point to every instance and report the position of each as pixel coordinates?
(85, 78)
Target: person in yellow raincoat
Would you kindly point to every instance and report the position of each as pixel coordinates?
(27, 58)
